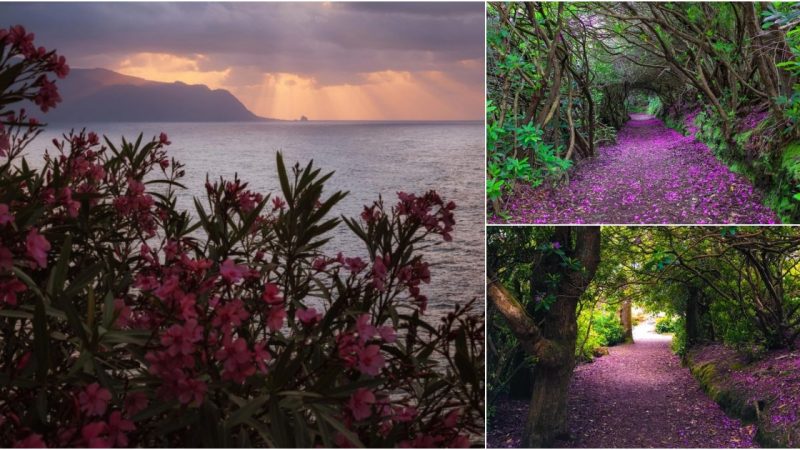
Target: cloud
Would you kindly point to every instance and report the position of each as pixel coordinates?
(237, 45)
(290, 37)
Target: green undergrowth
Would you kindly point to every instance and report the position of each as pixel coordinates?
(775, 173)
(667, 324)
(597, 329)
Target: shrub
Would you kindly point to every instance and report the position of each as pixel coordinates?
(609, 329)
(128, 322)
(606, 330)
(654, 105)
(679, 342)
(666, 324)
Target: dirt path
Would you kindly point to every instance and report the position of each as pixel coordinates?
(637, 396)
(652, 174)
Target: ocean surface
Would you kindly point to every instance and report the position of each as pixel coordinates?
(369, 158)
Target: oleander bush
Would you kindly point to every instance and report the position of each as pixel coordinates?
(126, 321)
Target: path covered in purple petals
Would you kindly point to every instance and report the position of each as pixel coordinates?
(637, 396)
(652, 174)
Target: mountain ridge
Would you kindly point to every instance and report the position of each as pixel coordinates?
(102, 95)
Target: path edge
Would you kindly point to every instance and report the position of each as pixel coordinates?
(713, 377)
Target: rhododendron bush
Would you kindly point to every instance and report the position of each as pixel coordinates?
(126, 321)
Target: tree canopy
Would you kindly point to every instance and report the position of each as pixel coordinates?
(562, 78)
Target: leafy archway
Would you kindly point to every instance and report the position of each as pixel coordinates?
(559, 75)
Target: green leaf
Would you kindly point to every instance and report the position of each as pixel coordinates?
(59, 274)
(246, 412)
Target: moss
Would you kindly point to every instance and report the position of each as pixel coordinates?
(713, 376)
(731, 401)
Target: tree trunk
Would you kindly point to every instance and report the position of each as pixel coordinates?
(693, 329)
(553, 344)
(547, 415)
(521, 383)
(626, 319)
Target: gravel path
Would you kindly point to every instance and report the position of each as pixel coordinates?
(637, 396)
(651, 175)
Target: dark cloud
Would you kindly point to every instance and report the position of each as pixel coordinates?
(331, 42)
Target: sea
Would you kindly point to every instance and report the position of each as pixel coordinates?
(369, 159)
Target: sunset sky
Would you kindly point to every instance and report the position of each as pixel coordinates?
(328, 61)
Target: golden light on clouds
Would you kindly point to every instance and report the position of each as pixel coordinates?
(169, 68)
(379, 95)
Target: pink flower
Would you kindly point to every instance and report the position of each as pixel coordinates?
(364, 327)
(94, 399)
(37, 247)
(32, 441)
(277, 203)
(191, 392)
(5, 216)
(181, 340)
(236, 359)
(360, 403)
(117, 429)
(135, 402)
(10, 289)
(308, 316)
(347, 348)
(379, 271)
(270, 294)
(405, 414)
(460, 441)
(123, 312)
(275, 317)
(72, 206)
(93, 435)
(370, 360)
(163, 139)
(22, 363)
(48, 95)
(21, 40)
(232, 272)
(261, 356)
(451, 420)
(388, 334)
(6, 258)
(355, 265)
(58, 65)
(319, 264)
(231, 313)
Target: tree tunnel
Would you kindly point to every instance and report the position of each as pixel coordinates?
(566, 72)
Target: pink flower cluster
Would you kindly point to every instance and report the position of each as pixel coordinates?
(360, 348)
(20, 42)
(36, 250)
(193, 319)
(430, 211)
(354, 264)
(96, 429)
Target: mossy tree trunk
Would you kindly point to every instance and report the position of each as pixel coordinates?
(552, 344)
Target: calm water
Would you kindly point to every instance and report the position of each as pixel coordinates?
(369, 158)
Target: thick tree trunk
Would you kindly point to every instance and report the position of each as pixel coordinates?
(521, 383)
(552, 344)
(547, 416)
(698, 325)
